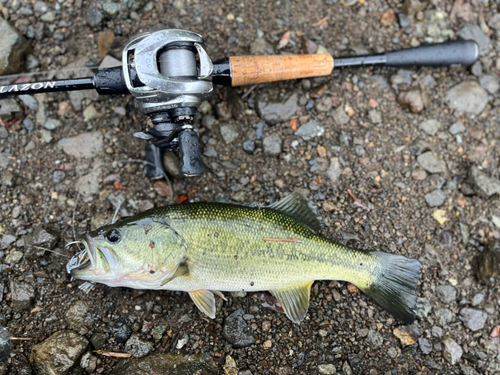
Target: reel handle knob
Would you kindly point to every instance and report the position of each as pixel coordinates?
(189, 154)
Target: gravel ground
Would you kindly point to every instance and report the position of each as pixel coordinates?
(416, 148)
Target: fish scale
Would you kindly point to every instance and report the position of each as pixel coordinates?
(207, 248)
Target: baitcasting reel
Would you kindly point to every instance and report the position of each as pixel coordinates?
(170, 74)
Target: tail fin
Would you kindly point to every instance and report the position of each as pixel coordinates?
(394, 287)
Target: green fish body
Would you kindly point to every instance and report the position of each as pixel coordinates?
(207, 248)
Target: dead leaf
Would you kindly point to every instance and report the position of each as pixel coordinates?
(440, 216)
(321, 151)
(112, 354)
(104, 42)
(388, 18)
(406, 338)
(269, 302)
(323, 21)
(293, 123)
(163, 189)
(284, 40)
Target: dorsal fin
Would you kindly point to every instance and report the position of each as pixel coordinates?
(299, 208)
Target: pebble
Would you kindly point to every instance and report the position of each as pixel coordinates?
(457, 128)
(98, 340)
(88, 362)
(340, 116)
(5, 344)
(489, 83)
(356, 363)
(477, 69)
(14, 257)
(444, 316)
(327, 369)
(52, 124)
(249, 146)
(425, 345)
(28, 124)
(76, 316)
(210, 151)
(120, 111)
(482, 183)
(431, 162)
(310, 129)
(405, 335)
(88, 184)
(48, 17)
(473, 32)
(437, 331)
(468, 97)
(22, 294)
(452, 352)
(58, 176)
(120, 331)
(478, 298)
(14, 48)
(30, 102)
(488, 262)
(229, 133)
(172, 364)
(431, 127)
(86, 145)
(59, 353)
(46, 136)
(260, 46)
(235, 330)
(375, 116)
(136, 347)
(276, 110)
(411, 100)
(90, 113)
(334, 170)
(42, 237)
(473, 319)
(404, 21)
(172, 164)
(271, 145)
(375, 339)
(446, 293)
(435, 198)
(208, 121)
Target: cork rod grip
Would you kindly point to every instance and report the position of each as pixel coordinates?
(250, 70)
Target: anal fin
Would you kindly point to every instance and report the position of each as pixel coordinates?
(205, 301)
(295, 300)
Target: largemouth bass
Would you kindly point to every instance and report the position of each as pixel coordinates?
(207, 248)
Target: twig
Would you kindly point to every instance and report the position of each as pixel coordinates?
(112, 354)
(249, 91)
(20, 338)
(74, 211)
(53, 168)
(356, 202)
(295, 240)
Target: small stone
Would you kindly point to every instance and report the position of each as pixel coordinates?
(412, 7)
(394, 352)
(276, 110)
(88, 362)
(431, 127)
(411, 100)
(59, 353)
(435, 198)
(88, 185)
(98, 340)
(327, 369)
(90, 113)
(482, 183)
(324, 104)
(404, 21)
(120, 111)
(229, 133)
(489, 83)
(446, 293)
(477, 69)
(425, 345)
(478, 298)
(208, 121)
(171, 364)
(5, 344)
(356, 362)
(375, 339)
(235, 330)
(249, 146)
(444, 316)
(260, 46)
(457, 127)
(120, 331)
(271, 145)
(375, 116)
(86, 145)
(30, 102)
(136, 347)
(48, 17)
(52, 124)
(452, 352)
(14, 48)
(310, 129)
(172, 164)
(334, 170)
(473, 32)
(22, 294)
(40, 7)
(9, 106)
(14, 257)
(467, 97)
(473, 319)
(210, 151)
(28, 124)
(431, 162)
(437, 331)
(267, 344)
(419, 174)
(405, 336)
(76, 316)
(41, 237)
(110, 62)
(340, 116)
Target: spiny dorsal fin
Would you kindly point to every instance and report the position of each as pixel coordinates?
(297, 207)
(295, 300)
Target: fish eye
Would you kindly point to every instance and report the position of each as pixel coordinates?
(113, 236)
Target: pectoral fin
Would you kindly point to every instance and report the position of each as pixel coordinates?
(295, 300)
(181, 270)
(205, 301)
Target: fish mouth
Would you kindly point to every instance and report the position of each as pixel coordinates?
(84, 264)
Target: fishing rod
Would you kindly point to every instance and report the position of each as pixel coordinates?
(169, 74)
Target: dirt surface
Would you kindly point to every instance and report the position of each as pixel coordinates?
(362, 173)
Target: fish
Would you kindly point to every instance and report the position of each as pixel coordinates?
(205, 249)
